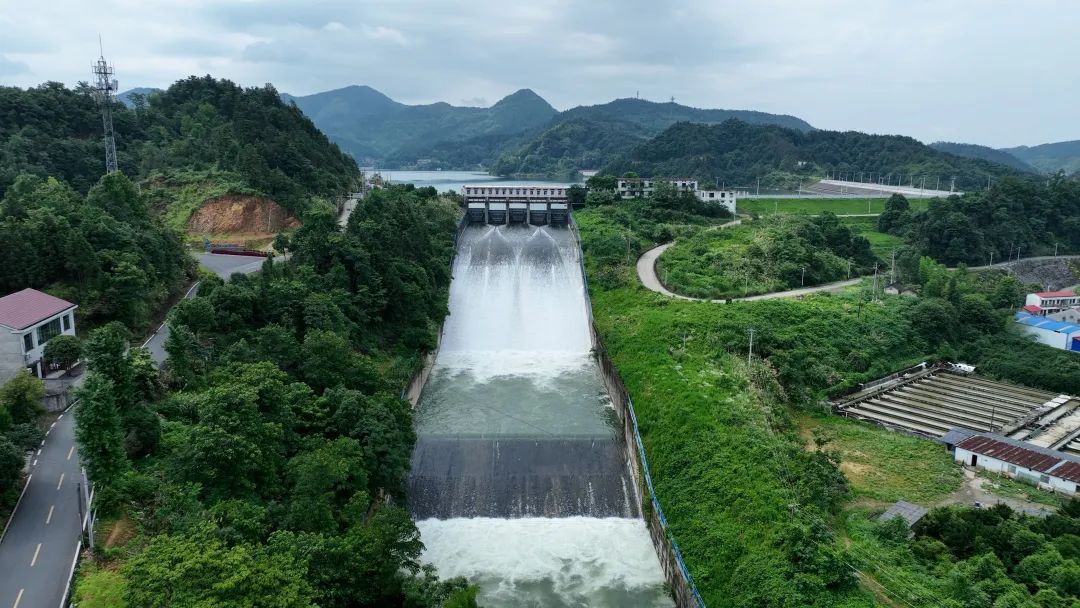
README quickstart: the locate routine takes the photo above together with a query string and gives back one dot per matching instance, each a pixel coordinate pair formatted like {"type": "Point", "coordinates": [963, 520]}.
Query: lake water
{"type": "Point", "coordinates": [454, 180]}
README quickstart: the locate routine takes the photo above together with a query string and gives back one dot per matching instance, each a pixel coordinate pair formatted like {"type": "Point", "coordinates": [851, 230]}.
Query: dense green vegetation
{"type": "Point", "coordinates": [104, 251]}
{"type": "Point", "coordinates": [1050, 158]}
{"type": "Point", "coordinates": [962, 557]}
{"type": "Point", "coordinates": [520, 134]}
{"type": "Point", "coordinates": [1001, 157]}
{"type": "Point", "coordinates": [775, 253]}
{"type": "Point", "coordinates": [199, 124]}
{"type": "Point", "coordinates": [740, 153]}
{"type": "Point", "coordinates": [269, 470]}
{"type": "Point", "coordinates": [20, 408]}
{"type": "Point", "coordinates": [589, 137]}
{"type": "Point", "coordinates": [569, 146]}
{"type": "Point", "coordinates": [817, 206]}
{"type": "Point", "coordinates": [1014, 215]}
{"type": "Point", "coordinates": [375, 129]}
{"type": "Point", "coordinates": [722, 436]}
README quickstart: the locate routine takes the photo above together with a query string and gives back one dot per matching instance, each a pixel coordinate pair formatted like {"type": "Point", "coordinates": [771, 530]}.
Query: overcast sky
{"type": "Point", "coordinates": [994, 72]}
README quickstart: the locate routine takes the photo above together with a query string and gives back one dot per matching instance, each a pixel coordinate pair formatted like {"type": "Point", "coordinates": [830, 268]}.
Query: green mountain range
{"type": "Point", "coordinates": [740, 153]}
{"type": "Point", "coordinates": [984, 152]}
{"type": "Point", "coordinates": [1051, 158]}
{"type": "Point", "coordinates": [521, 134]}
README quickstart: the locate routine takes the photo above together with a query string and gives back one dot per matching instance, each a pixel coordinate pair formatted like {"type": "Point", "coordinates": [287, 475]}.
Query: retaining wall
{"type": "Point", "coordinates": [683, 590]}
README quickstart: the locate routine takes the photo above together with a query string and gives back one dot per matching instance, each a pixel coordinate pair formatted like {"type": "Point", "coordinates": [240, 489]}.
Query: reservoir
{"type": "Point", "coordinates": [454, 180]}
{"type": "Point", "coordinates": [519, 481]}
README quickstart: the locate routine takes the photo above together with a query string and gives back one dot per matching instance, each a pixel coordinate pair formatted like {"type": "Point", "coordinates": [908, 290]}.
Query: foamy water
{"type": "Point", "coordinates": [571, 561]}
{"type": "Point", "coordinates": [514, 420]}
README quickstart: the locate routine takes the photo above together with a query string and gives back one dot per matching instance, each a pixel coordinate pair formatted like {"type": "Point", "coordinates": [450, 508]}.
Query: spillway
{"type": "Point", "coordinates": [519, 481]}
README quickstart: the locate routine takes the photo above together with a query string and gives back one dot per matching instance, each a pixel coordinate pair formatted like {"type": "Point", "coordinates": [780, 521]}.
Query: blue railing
{"type": "Point", "coordinates": [640, 445]}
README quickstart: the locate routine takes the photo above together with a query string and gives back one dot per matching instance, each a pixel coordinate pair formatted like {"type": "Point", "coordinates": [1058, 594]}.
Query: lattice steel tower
{"type": "Point", "coordinates": [104, 87]}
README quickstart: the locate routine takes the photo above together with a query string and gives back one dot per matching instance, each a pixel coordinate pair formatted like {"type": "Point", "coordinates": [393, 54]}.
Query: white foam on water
{"type": "Point", "coordinates": [573, 561]}
{"type": "Point", "coordinates": [540, 366]}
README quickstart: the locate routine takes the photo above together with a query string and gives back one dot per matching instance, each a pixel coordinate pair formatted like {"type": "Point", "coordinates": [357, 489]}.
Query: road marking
{"type": "Point", "coordinates": [36, 551]}
{"type": "Point", "coordinates": [49, 518]}
{"type": "Point", "coordinates": [60, 417]}
{"type": "Point", "coordinates": [42, 443]}
{"type": "Point", "coordinates": [39, 452]}
{"type": "Point", "coordinates": [18, 598]}
{"type": "Point", "coordinates": [52, 425]}
{"type": "Point", "coordinates": [61, 481]}
{"type": "Point", "coordinates": [70, 452]}
{"type": "Point", "coordinates": [35, 463]}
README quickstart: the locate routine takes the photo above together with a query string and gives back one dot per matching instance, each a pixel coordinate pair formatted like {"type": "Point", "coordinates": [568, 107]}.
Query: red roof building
{"type": "Point", "coordinates": [28, 319]}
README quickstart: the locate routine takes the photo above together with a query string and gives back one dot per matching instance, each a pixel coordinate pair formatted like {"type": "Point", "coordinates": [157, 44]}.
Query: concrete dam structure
{"type": "Point", "coordinates": [519, 478]}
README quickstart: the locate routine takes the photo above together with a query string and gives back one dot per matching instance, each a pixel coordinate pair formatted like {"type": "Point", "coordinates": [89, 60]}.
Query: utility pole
{"type": "Point", "coordinates": [1055, 249]}
{"type": "Point", "coordinates": [991, 258]}
{"type": "Point", "coordinates": [802, 281]}
{"type": "Point", "coordinates": [873, 295]}
{"type": "Point", "coordinates": [987, 182]}
{"type": "Point", "coordinates": [759, 186]}
{"type": "Point", "coordinates": [1018, 248]}
{"type": "Point", "coordinates": [750, 353]}
{"type": "Point", "coordinates": [892, 268]}
{"type": "Point", "coordinates": [849, 268]}
{"type": "Point", "coordinates": [952, 185]}
{"type": "Point", "coordinates": [104, 86]}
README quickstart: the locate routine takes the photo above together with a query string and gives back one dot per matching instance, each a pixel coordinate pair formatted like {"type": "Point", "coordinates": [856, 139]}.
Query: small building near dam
{"type": "Point", "coordinates": [1058, 334]}
{"type": "Point", "coordinates": [510, 204]}
{"type": "Point", "coordinates": [1041, 467]}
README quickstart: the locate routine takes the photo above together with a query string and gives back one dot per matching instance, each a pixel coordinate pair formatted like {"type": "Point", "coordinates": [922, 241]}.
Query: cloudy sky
{"type": "Point", "coordinates": [994, 72]}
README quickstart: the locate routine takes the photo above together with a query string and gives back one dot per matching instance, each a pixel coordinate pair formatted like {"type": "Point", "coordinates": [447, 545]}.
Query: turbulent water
{"type": "Point", "coordinates": [518, 479]}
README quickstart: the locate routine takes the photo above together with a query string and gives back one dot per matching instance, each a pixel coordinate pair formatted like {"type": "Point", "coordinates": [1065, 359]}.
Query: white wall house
{"type": "Point", "coordinates": [726, 198]}
{"type": "Point", "coordinates": [28, 319]}
{"type": "Point", "coordinates": [1058, 334]}
{"type": "Point", "coordinates": [636, 187]}
{"type": "Point", "coordinates": [1046, 302]}
{"type": "Point", "coordinates": [1045, 468]}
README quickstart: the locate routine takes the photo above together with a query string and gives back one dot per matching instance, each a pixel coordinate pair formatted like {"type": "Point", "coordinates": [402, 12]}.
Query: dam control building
{"type": "Point", "coordinates": [510, 204]}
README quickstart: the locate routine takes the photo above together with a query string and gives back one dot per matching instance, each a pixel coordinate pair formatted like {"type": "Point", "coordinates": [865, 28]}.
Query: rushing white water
{"type": "Point", "coordinates": [573, 561]}
{"type": "Point", "coordinates": [514, 423]}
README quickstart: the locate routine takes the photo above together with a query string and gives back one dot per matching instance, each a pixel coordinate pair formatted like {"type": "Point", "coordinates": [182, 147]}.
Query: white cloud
{"type": "Point", "coordinates": [985, 71]}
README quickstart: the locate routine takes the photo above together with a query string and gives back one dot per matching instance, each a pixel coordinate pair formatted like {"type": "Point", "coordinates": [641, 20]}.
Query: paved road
{"type": "Point", "coordinates": [38, 551]}
{"type": "Point", "coordinates": [220, 264]}
{"type": "Point", "coordinates": [646, 271]}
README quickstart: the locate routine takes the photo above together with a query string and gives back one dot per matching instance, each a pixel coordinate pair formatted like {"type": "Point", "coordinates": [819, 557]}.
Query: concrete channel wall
{"type": "Point", "coordinates": [683, 590]}
{"type": "Point", "coordinates": [415, 386]}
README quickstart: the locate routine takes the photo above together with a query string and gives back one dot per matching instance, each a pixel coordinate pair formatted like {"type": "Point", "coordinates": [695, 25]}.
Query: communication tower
{"type": "Point", "coordinates": [104, 87]}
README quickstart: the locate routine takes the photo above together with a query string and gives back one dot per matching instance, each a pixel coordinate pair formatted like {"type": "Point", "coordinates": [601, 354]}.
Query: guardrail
{"type": "Point", "coordinates": [675, 569]}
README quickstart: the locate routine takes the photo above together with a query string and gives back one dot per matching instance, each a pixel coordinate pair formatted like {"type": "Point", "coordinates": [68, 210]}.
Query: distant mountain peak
{"type": "Point", "coordinates": [525, 98]}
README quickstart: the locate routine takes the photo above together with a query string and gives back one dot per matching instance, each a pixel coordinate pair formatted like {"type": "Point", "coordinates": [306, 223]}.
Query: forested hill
{"type": "Point", "coordinates": [740, 153]}
{"type": "Point", "coordinates": [522, 132]}
{"type": "Point", "coordinates": [376, 129]}
{"type": "Point", "coordinates": [993, 155]}
{"type": "Point", "coordinates": [1051, 158]}
{"type": "Point", "coordinates": [588, 137]}
{"type": "Point", "coordinates": [199, 123]}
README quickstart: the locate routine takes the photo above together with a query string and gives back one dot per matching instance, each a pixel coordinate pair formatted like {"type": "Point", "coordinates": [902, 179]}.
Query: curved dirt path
{"type": "Point", "coordinates": [646, 272]}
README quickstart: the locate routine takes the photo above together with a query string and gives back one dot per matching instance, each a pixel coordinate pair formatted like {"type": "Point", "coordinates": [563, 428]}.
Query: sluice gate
{"type": "Point", "coordinates": [532, 205]}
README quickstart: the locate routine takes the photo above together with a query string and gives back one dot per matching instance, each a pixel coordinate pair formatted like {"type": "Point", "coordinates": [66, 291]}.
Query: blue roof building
{"type": "Point", "coordinates": [1058, 334]}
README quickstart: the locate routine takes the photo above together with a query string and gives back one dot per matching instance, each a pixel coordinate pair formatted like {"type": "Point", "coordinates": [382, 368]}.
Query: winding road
{"type": "Point", "coordinates": [646, 272]}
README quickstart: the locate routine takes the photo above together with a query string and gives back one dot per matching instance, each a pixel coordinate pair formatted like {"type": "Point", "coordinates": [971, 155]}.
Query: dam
{"type": "Point", "coordinates": [519, 479]}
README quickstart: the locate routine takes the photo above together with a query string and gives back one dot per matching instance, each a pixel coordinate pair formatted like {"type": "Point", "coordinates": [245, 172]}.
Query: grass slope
{"type": "Point", "coordinates": [815, 206]}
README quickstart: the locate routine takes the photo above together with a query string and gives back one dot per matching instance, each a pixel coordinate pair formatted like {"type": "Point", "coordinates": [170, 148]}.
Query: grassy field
{"type": "Point", "coordinates": [813, 206]}
{"type": "Point", "coordinates": [883, 465]}
{"type": "Point", "coordinates": [881, 243]}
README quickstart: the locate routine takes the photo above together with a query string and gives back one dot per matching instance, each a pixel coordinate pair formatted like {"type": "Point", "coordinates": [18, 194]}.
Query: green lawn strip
{"type": "Point", "coordinates": [813, 206]}
{"type": "Point", "coordinates": [881, 243]}
{"type": "Point", "coordinates": [885, 465]}
{"type": "Point", "coordinates": [1011, 488]}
